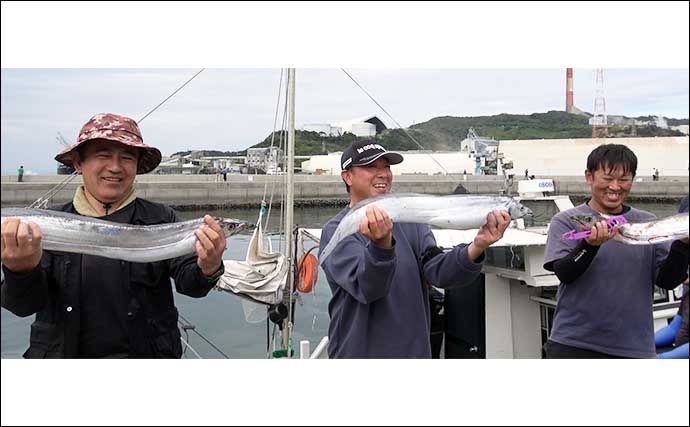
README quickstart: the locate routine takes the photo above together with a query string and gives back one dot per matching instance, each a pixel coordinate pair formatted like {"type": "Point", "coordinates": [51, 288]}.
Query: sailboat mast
{"type": "Point", "coordinates": [289, 204]}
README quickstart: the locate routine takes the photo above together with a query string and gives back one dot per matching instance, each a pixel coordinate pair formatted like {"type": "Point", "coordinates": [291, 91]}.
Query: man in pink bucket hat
{"type": "Point", "coordinates": [94, 307]}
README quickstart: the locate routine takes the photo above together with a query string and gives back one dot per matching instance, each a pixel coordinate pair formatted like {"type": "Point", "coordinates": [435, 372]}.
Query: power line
{"type": "Point", "coordinates": [171, 95]}
{"type": "Point", "coordinates": [394, 121]}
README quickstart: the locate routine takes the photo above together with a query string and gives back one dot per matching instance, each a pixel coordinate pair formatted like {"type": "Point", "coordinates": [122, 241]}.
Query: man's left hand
{"type": "Point", "coordinates": [210, 246]}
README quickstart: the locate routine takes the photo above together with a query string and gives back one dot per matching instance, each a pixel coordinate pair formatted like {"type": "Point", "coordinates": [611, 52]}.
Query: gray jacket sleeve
{"type": "Point", "coordinates": [360, 267]}
{"type": "Point", "coordinates": [448, 269]}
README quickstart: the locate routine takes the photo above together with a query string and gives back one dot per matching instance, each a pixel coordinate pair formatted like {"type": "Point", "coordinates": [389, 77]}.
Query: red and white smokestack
{"type": "Point", "coordinates": [569, 90]}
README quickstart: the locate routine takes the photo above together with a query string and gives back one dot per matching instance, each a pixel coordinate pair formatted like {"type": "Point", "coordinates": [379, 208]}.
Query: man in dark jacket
{"type": "Point", "coordinates": [94, 307]}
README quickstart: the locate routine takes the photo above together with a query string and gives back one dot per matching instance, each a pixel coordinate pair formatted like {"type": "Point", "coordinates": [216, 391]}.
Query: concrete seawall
{"type": "Point", "coordinates": [242, 190]}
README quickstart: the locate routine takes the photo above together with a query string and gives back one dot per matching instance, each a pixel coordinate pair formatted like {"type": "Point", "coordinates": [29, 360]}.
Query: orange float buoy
{"type": "Point", "coordinates": [308, 273]}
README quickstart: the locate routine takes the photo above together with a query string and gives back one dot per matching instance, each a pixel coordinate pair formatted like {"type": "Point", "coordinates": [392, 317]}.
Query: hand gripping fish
{"type": "Point", "coordinates": [460, 212]}
{"type": "Point", "coordinates": [638, 233]}
{"type": "Point", "coordinates": [68, 232]}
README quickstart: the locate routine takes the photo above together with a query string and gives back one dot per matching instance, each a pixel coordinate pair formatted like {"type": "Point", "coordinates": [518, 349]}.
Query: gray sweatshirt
{"type": "Point", "coordinates": [380, 302]}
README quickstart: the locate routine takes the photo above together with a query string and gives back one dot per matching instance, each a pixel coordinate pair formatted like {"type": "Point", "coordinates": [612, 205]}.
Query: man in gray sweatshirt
{"type": "Point", "coordinates": [380, 276]}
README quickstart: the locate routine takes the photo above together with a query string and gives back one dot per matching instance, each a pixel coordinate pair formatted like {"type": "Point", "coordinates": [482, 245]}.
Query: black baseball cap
{"type": "Point", "coordinates": [366, 151]}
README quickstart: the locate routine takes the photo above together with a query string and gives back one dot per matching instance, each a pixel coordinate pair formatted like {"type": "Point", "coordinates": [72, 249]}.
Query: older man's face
{"type": "Point", "coordinates": [109, 169]}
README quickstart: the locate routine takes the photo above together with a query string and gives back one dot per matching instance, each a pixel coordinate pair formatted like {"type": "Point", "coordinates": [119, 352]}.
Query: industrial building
{"type": "Point", "coordinates": [367, 126]}
{"type": "Point", "coordinates": [266, 159]}
{"type": "Point", "coordinates": [416, 162]}
{"type": "Point", "coordinates": [554, 157]}
{"type": "Point", "coordinates": [542, 157]}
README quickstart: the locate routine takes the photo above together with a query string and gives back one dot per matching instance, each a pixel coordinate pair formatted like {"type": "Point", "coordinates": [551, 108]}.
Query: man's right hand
{"type": "Point", "coordinates": [377, 227]}
{"type": "Point", "coordinates": [601, 234]}
{"type": "Point", "coordinates": [21, 245]}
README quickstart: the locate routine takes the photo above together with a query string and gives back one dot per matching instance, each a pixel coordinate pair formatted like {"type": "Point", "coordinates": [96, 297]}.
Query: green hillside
{"type": "Point", "coordinates": [446, 133]}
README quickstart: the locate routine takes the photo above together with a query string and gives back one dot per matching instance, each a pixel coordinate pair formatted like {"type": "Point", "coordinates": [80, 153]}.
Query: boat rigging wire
{"type": "Point", "coordinates": [204, 338]}
{"type": "Point", "coordinates": [190, 347]}
{"type": "Point", "coordinates": [394, 121]}
{"type": "Point", "coordinates": [171, 95]}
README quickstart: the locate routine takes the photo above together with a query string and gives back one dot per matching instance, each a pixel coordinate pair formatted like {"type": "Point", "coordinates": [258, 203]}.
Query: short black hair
{"type": "Point", "coordinates": [610, 157]}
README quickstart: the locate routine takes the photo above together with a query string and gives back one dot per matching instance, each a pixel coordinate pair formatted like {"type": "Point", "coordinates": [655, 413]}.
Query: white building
{"type": "Point", "coordinates": [367, 126]}
{"type": "Point", "coordinates": [416, 162]}
{"type": "Point", "coordinates": [682, 128]}
{"type": "Point", "coordinates": [324, 129]}
{"type": "Point", "coordinates": [542, 157]}
{"type": "Point", "coordinates": [554, 157]}
{"type": "Point", "coordinates": [264, 158]}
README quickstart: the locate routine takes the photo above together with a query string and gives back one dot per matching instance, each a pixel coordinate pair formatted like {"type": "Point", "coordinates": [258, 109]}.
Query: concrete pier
{"type": "Point", "coordinates": [185, 191]}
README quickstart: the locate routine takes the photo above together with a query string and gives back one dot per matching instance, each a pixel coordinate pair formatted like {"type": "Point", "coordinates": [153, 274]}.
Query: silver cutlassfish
{"type": "Point", "coordinates": [460, 212]}
{"type": "Point", "coordinates": [642, 233]}
{"type": "Point", "coordinates": [68, 232]}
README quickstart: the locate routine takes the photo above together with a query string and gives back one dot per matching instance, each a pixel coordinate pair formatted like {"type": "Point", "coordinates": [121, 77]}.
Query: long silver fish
{"type": "Point", "coordinates": [460, 212]}
{"type": "Point", "coordinates": [68, 232]}
{"type": "Point", "coordinates": [642, 233]}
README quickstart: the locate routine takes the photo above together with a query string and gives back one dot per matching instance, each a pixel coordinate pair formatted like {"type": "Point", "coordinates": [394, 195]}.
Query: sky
{"type": "Point", "coordinates": [55, 76]}
{"type": "Point", "coordinates": [230, 109]}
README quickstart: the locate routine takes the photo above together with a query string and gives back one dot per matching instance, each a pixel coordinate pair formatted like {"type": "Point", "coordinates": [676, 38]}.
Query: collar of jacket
{"type": "Point", "coordinates": [82, 205]}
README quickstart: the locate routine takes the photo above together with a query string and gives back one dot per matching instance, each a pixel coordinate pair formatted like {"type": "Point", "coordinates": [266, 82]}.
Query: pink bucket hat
{"type": "Point", "coordinates": [113, 127]}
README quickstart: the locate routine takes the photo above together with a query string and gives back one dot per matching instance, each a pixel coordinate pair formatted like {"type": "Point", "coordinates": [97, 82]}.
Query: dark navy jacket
{"type": "Point", "coordinates": [143, 323]}
{"type": "Point", "coordinates": [380, 302]}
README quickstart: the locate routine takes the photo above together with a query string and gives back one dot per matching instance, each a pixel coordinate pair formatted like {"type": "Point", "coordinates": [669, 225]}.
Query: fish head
{"type": "Point", "coordinates": [232, 226]}
{"type": "Point", "coordinates": [586, 221]}
{"type": "Point", "coordinates": [518, 210]}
